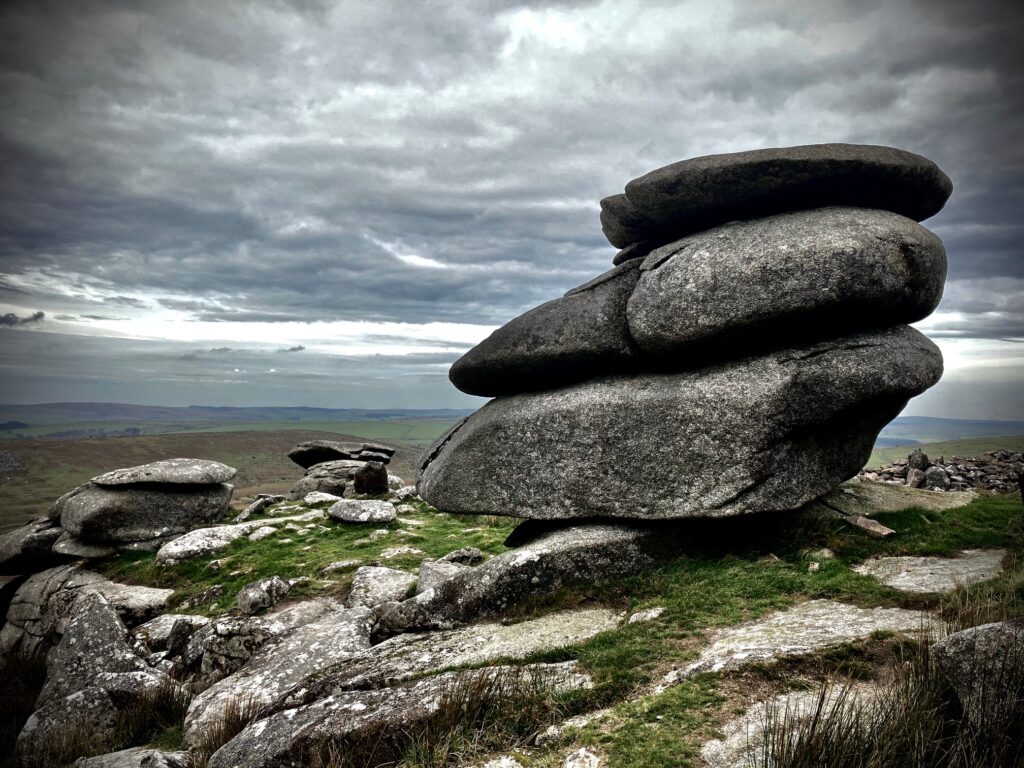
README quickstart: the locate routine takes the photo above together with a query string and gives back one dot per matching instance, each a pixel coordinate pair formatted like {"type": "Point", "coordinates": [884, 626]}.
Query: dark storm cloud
{"type": "Point", "coordinates": [309, 161]}
{"type": "Point", "coordinates": [296, 348]}
{"type": "Point", "coordinates": [10, 320]}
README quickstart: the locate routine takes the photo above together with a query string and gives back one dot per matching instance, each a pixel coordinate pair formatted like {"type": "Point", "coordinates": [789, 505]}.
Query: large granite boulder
{"type": "Point", "coordinates": [830, 270]}
{"type": "Point", "coordinates": [763, 433]}
{"type": "Point", "coordinates": [704, 192]}
{"type": "Point", "coordinates": [170, 471]}
{"type": "Point", "coordinates": [127, 513]}
{"type": "Point", "coordinates": [568, 339]}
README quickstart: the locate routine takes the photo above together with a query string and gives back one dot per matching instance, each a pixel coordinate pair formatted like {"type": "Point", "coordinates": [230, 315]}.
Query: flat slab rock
{"type": "Point", "coordinates": [292, 736]}
{"type": "Point", "coordinates": [805, 628]}
{"type": "Point", "coordinates": [176, 471]}
{"type": "Point", "coordinates": [362, 511]}
{"type": "Point", "coordinates": [764, 433]}
{"type": "Point", "coordinates": [863, 497]}
{"type": "Point", "coordinates": [702, 192]}
{"type": "Point", "coordinates": [935, 574]}
{"type": "Point", "coordinates": [203, 541]}
{"type": "Point", "coordinates": [373, 585]}
{"type": "Point", "coordinates": [744, 736]}
{"type": "Point", "coordinates": [136, 757]}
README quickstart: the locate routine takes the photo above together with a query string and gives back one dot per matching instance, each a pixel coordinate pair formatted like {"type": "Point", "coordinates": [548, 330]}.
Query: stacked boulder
{"type": "Point", "coordinates": [341, 469]}
{"type": "Point", "coordinates": [741, 356]}
{"type": "Point", "coordinates": [136, 508]}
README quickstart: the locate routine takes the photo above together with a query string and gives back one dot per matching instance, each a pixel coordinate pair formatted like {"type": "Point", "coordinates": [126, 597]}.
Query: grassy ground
{"type": "Point", "coordinates": [721, 578]}
{"type": "Point", "coordinates": [974, 446]}
{"type": "Point", "coordinates": [53, 467]}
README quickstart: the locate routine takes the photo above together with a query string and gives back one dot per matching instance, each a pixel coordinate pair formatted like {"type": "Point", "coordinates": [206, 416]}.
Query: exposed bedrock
{"type": "Point", "coordinates": [763, 433]}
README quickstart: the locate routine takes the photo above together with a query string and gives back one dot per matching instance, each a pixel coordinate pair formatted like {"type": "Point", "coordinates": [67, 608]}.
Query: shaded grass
{"type": "Point", "coordinates": [21, 679]}
{"type": "Point", "coordinates": [306, 555]}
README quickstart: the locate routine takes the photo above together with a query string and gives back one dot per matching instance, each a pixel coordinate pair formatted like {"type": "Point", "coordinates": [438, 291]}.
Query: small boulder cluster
{"type": "Point", "coordinates": [344, 470]}
{"type": "Point", "coordinates": [741, 356]}
{"type": "Point", "coordinates": [997, 471]}
{"type": "Point", "coordinates": [136, 508]}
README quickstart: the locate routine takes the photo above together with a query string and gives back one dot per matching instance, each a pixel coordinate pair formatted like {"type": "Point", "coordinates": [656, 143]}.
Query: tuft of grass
{"type": "Point", "coordinates": [236, 715]}
{"type": "Point", "coordinates": [151, 715]}
{"type": "Point", "coordinates": [476, 715]}
{"type": "Point", "coordinates": [21, 679]}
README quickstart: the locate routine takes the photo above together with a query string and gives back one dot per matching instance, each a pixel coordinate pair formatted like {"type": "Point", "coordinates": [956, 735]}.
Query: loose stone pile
{"type": "Point", "coordinates": [993, 471]}
{"type": "Point", "coordinates": [745, 363]}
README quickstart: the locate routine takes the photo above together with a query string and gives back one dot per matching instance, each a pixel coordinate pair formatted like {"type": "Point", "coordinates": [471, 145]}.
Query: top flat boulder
{"type": "Point", "coordinates": [314, 452]}
{"type": "Point", "coordinates": [704, 192]}
{"type": "Point", "coordinates": [175, 471]}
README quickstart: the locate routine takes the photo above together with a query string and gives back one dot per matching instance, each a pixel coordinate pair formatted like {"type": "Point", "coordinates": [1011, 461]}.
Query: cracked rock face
{"type": "Point", "coordinates": [373, 585]}
{"type": "Point", "coordinates": [764, 433]}
{"type": "Point", "coordinates": [287, 736]}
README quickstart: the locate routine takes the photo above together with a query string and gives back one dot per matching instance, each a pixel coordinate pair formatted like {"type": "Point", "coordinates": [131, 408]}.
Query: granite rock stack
{"type": "Point", "coordinates": [741, 356]}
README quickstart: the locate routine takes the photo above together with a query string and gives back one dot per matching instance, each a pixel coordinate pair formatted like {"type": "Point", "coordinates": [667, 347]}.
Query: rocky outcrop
{"type": "Point", "coordinates": [262, 594]}
{"type": "Point", "coordinates": [327, 477]}
{"type": "Point", "coordinates": [568, 555]}
{"type": "Point", "coordinates": [41, 607]}
{"type": "Point", "coordinates": [306, 731]}
{"type": "Point", "coordinates": [992, 471]}
{"type": "Point", "coordinates": [204, 541]}
{"type": "Point", "coordinates": [136, 757]}
{"type": "Point", "coordinates": [318, 451]}
{"type": "Point", "coordinates": [362, 511]}
{"type": "Point", "coordinates": [764, 433]}
{"type": "Point", "coordinates": [30, 548]}
{"type": "Point", "coordinates": [746, 365]}
{"type": "Point", "coordinates": [169, 472]}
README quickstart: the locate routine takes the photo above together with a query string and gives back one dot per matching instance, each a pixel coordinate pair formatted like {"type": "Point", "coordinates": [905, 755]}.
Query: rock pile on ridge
{"type": "Point", "coordinates": [341, 469]}
{"type": "Point", "coordinates": [135, 508]}
{"type": "Point", "coordinates": [746, 363]}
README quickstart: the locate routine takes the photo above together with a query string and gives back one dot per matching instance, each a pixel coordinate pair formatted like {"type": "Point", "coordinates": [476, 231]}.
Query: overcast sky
{"type": "Point", "coordinates": [307, 203]}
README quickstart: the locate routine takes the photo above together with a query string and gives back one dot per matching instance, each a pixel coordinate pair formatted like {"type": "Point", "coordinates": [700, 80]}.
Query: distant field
{"type": "Point", "coordinates": [970, 447]}
{"type": "Point", "coordinates": [53, 467]}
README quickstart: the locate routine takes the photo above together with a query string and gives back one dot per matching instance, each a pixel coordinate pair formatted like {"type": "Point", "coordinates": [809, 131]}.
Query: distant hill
{"type": "Point", "coordinates": [928, 429]}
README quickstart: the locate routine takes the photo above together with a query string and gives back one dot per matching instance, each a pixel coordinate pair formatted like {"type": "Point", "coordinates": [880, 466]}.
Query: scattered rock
{"type": "Point", "coordinates": [155, 633]}
{"type": "Point", "coordinates": [319, 497]}
{"type": "Point", "coordinates": [362, 511]}
{"type": "Point", "coordinates": [339, 565]}
{"type": "Point", "coordinates": [647, 615]}
{"type": "Point", "coordinates": [992, 471]}
{"type": "Point", "coordinates": [205, 541]}
{"type": "Point", "coordinates": [258, 507]}
{"type": "Point", "coordinates": [464, 556]}
{"type": "Point", "coordinates": [373, 585]}
{"type": "Point", "coordinates": [583, 758]}
{"type": "Point", "coordinates": [208, 595]}
{"type": "Point", "coordinates": [262, 594]}
{"type": "Point", "coordinates": [393, 552]}
{"type": "Point", "coordinates": [261, 533]}
{"type": "Point", "coordinates": [934, 574]}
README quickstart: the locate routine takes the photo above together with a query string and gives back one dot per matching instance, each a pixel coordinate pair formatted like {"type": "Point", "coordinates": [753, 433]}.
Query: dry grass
{"type": "Point", "coordinates": [236, 716]}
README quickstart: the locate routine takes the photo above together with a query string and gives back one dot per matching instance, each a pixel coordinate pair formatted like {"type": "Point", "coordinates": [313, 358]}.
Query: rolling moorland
{"type": "Point", "coordinates": [45, 450]}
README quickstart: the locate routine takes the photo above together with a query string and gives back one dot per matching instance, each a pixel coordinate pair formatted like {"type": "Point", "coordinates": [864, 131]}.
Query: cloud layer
{"type": "Point", "coordinates": [409, 178]}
